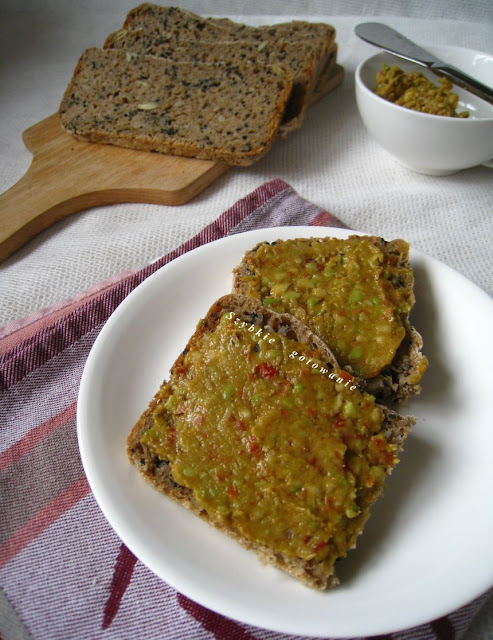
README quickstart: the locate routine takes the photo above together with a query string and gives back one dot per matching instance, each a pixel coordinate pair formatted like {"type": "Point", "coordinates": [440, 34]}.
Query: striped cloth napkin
{"type": "Point", "coordinates": [64, 573]}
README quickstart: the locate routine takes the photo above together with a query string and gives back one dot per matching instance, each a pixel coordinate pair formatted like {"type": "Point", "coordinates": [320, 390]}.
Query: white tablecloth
{"type": "Point", "coordinates": [331, 161]}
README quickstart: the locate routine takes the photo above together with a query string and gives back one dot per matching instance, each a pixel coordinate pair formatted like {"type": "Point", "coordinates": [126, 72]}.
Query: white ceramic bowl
{"type": "Point", "coordinates": [434, 145]}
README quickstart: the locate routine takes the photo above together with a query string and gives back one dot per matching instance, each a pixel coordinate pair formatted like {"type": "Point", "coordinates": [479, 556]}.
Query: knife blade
{"type": "Point", "coordinates": [390, 40]}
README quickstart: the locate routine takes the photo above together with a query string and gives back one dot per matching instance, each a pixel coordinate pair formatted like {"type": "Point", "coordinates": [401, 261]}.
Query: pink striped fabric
{"type": "Point", "coordinates": [64, 573]}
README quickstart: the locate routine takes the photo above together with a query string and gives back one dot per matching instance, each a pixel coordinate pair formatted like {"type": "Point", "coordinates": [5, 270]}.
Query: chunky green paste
{"type": "Point", "coordinates": [344, 290]}
{"type": "Point", "coordinates": [270, 443]}
{"type": "Point", "coordinates": [415, 91]}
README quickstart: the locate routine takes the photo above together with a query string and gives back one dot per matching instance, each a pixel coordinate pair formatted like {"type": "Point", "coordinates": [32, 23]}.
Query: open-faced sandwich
{"type": "Point", "coordinates": [355, 293]}
{"type": "Point", "coordinates": [259, 432]}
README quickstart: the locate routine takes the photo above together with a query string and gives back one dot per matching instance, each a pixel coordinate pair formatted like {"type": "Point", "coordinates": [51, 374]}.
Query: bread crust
{"type": "Point", "coordinates": [397, 382]}
{"type": "Point", "coordinates": [157, 472]}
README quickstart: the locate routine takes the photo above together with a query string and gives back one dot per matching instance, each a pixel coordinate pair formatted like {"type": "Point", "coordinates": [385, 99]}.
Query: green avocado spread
{"type": "Point", "coordinates": [347, 291]}
{"type": "Point", "coordinates": [272, 442]}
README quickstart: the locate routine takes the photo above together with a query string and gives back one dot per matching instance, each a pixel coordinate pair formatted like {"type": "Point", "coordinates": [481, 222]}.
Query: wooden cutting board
{"type": "Point", "coordinates": [67, 175]}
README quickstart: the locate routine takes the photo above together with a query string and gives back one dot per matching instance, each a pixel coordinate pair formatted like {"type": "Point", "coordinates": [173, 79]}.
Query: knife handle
{"type": "Point", "coordinates": [463, 80]}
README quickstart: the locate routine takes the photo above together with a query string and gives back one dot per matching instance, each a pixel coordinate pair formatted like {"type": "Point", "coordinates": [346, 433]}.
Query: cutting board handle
{"type": "Point", "coordinates": [67, 175]}
{"type": "Point", "coordinates": [29, 207]}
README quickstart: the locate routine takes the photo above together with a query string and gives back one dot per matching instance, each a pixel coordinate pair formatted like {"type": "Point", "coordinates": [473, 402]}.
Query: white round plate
{"type": "Point", "coordinates": [426, 549]}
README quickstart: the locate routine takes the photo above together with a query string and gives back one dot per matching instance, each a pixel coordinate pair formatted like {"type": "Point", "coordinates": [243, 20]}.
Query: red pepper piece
{"type": "Point", "coordinates": [266, 370]}
{"type": "Point", "coordinates": [254, 447]}
{"type": "Point", "coordinates": [180, 370]}
{"type": "Point", "coordinates": [347, 377]}
{"type": "Point", "coordinates": [232, 490]}
{"type": "Point", "coordinates": [339, 422]}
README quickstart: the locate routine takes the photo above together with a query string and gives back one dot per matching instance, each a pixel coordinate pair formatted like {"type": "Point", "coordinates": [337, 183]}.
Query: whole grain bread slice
{"type": "Point", "coordinates": [299, 60]}
{"type": "Point", "coordinates": [174, 25]}
{"type": "Point", "coordinates": [214, 112]}
{"type": "Point", "coordinates": [172, 20]}
{"type": "Point", "coordinates": [329, 77]}
{"type": "Point", "coordinates": [322, 38]}
{"type": "Point", "coordinates": [399, 380]}
{"type": "Point", "coordinates": [332, 78]}
{"type": "Point", "coordinates": [157, 469]}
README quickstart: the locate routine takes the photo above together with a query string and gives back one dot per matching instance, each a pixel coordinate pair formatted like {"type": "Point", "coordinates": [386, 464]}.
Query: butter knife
{"type": "Point", "coordinates": [392, 41]}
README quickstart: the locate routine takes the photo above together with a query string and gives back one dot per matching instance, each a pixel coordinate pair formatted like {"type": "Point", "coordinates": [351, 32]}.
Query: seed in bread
{"type": "Point", "coordinates": [214, 112]}
{"type": "Point", "coordinates": [355, 293]}
{"type": "Point", "coordinates": [259, 432]}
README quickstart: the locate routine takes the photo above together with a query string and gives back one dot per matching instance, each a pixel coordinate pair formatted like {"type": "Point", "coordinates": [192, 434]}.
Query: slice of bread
{"type": "Point", "coordinates": [172, 20]}
{"type": "Point", "coordinates": [291, 469]}
{"type": "Point", "coordinates": [299, 60]}
{"type": "Point", "coordinates": [325, 81]}
{"type": "Point", "coordinates": [150, 16]}
{"type": "Point", "coordinates": [322, 38]}
{"type": "Point", "coordinates": [214, 112]}
{"type": "Point", "coordinates": [356, 294]}
{"type": "Point", "coordinates": [161, 25]}
{"type": "Point", "coordinates": [333, 77]}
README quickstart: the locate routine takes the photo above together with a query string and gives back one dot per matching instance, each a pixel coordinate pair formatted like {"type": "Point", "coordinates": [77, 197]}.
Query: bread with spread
{"type": "Point", "coordinates": [260, 433]}
{"type": "Point", "coordinates": [355, 293]}
{"type": "Point", "coordinates": [210, 111]}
